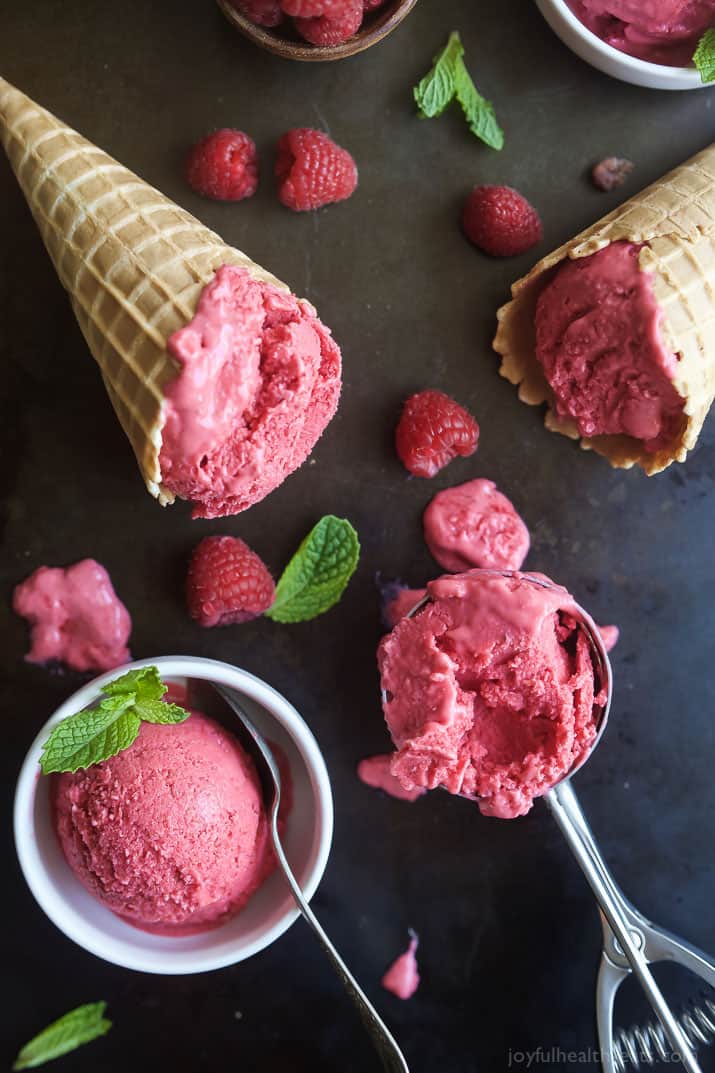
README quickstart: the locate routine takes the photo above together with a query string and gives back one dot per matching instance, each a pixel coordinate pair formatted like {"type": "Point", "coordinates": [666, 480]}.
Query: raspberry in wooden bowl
{"type": "Point", "coordinates": [315, 30]}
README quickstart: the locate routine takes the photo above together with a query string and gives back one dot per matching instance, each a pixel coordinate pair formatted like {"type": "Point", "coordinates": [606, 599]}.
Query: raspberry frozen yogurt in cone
{"type": "Point", "coordinates": [489, 690]}
{"type": "Point", "coordinates": [615, 330]}
{"type": "Point", "coordinates": [223, 380]}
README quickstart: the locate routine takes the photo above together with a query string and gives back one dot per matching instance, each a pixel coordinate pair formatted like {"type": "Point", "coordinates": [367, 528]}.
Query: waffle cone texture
{"type": "Point", "coordinates": [675, 220]}
{"type": "Point", "coordinates": [133, 263]}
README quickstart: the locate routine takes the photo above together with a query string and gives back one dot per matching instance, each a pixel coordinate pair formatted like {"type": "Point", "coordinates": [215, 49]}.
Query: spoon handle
{"type": "Point", "coordinates": [393, 1060]}
{"type": "Point", "coordinates": [568, 814]}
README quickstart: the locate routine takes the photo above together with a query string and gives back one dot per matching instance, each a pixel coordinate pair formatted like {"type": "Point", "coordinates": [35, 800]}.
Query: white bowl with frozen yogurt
{"type": "Point", "coordinates": [612, 61]}
{"type": "Point", "coordinates": [271, 910]}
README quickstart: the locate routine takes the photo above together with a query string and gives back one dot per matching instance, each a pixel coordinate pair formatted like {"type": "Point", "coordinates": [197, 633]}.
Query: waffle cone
{"type": "Point", "coordinates": [132, 261]}
{"type": "Point", "coordinates": [675, 218]}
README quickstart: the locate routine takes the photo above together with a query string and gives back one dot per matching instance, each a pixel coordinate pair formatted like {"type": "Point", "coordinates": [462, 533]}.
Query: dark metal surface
{"type": "Point", "coordinates": [510, 938]}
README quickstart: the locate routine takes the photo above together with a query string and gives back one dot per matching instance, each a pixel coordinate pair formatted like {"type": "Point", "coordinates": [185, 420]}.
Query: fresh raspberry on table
{"type": "Point", "coordinates": [262, 12]}
{"type": "Point", "coordinates": [500, 221]}
{"type": "Point", "coordinates": [432, 430]}
{"type": "Point", "coordinates": [312, 170]}
{"type": "Point", "coordinates": [227, 582]}
{"type": "Point", "coordinates": [332, 29]}
{"type": "Point", "coordinates": [223, 166]}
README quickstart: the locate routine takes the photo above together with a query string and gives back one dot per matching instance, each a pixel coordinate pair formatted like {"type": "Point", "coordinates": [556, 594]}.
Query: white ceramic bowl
{"type": "Point", "coordinates": [610, 60]}
{"type": "Point", "coordinates": [270, 912]}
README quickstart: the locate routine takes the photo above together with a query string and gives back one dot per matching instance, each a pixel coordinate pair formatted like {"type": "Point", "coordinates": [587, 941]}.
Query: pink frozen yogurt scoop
{"type": "Point", "coordinates": [489, 689]}
{"type": "Point", "coordinates": [170, 834]}
{"type": "Point", "coordinates": [598, 339]}
{"type": "Point", "coordinates": [259, 381]}
{"type": "Point", "coordinates": [75, 617]}
{"type": "Point", "coordinates": [659, 31]}
{"type": "Point", "coordinates": [473, 524]}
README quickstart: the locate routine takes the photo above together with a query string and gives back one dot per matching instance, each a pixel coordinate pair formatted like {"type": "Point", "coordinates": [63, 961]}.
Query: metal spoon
{"type": "Point", "coordinates": [630, 942]}
{"type": "Point", "coordinates": [391, 1056]}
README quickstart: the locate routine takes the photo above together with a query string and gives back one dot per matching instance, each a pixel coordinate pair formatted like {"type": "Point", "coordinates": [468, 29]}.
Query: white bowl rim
{"type": "Point", "coordinates": [174, 961]}
{"type": "Point", "coordinates": [683, 77]}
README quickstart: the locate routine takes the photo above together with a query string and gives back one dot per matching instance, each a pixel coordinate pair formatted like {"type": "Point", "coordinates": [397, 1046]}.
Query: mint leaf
{"type": "Point", "coordinates": [66, 1034]}
{"type": "Point", "coordinates": [478, 111]}
{"type": "Point", "coordinates": [104, 730]}
{"type": "Point", "coordinates": [316, 576]}
{"type": "Point", "coordinates": [450, 80]}
{"type": "Point", "coordinates": [155, 711]}
{"type": "Point", "coordinates": [144, 683]}
{"type": "Point", "coordinates": [91, 735]}
{"type": "Point", "coordinates": [704, 58]}
{"type": "Point", "coordinates": [434, 92]}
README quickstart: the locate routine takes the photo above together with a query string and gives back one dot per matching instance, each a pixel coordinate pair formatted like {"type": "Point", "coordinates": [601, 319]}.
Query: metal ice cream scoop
{"type": "Point", "coordinates": [393, 1061]}
{"type": "Point", "coordinates": [630, 942]}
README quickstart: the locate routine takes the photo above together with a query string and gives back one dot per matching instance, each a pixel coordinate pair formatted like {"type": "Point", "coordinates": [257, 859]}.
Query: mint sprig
{"type": "Point", "coordinates": [704, 58]}
{"type": "Point", "coordinates": [478, 111]}
{"type": "Point", "coordinates": [316, 577]}
{"type": "Point", "coordinates": [91, 735]}
{"type": "Point", "coordinates": [79, 1026]}
{"type": "Point", "coordinates": [450, 80]}
{"type": "Point", "coordinates": [112, 725]}
{"type": "Point", "coordinates": [434, 92]}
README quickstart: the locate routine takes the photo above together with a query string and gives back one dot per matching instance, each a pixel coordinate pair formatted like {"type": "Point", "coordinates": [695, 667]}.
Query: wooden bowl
{"type": "Point", "coordinates": [291, 47]}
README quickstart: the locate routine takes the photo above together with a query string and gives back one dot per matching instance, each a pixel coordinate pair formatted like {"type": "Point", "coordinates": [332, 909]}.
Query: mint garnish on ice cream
{"type": "Point", "coordinates": [96, 733]}
{"type": "Point", "coordinates": [704, 58]}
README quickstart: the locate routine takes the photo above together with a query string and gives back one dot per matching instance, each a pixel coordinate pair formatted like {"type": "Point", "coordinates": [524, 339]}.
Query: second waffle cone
{"type": "Point", "coordinates": [675, 220]}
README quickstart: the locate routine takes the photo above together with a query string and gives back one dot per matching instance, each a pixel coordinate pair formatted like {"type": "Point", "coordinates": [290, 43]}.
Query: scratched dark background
{"type": "Point", "coordinates": [510, 936]}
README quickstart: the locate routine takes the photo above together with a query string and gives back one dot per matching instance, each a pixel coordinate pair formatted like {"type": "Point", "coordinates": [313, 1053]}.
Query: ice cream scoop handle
{"type": "Point", "coordinates": [568, 814]}
{"type": "Point", "coordinates": [384, 1042]}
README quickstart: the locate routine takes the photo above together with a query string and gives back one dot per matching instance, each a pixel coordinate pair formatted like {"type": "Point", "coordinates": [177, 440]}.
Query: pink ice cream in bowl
{"type": "Point", "coordinates": [158, 858]}
{"type": "Point", "coordinates": [646, 42]}
{"type": "Point", "coordinates": [497, 687]}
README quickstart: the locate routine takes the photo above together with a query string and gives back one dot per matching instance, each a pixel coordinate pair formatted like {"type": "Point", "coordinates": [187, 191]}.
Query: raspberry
{"type": "Point", "coordinates": [432, 430]}
{"type": "Point", "coordinates": [262, 12]}
{"type": "Point", "coordinates": [312, 170]}
{"type": "Point", "coordinates": [500, 221]}
{"type": "Point", "coordinates": [372, 5]}
{"type": "Point", "coordinates": [611, 172]}
{"type": "Point", "coordinates": [227, 582]}
{"type": "Point", "coordinates": [313, 9]}
{"type": "Point", "coordinates": [332, 29]}
{"type": "Point", "coordinates": [223, 166]}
